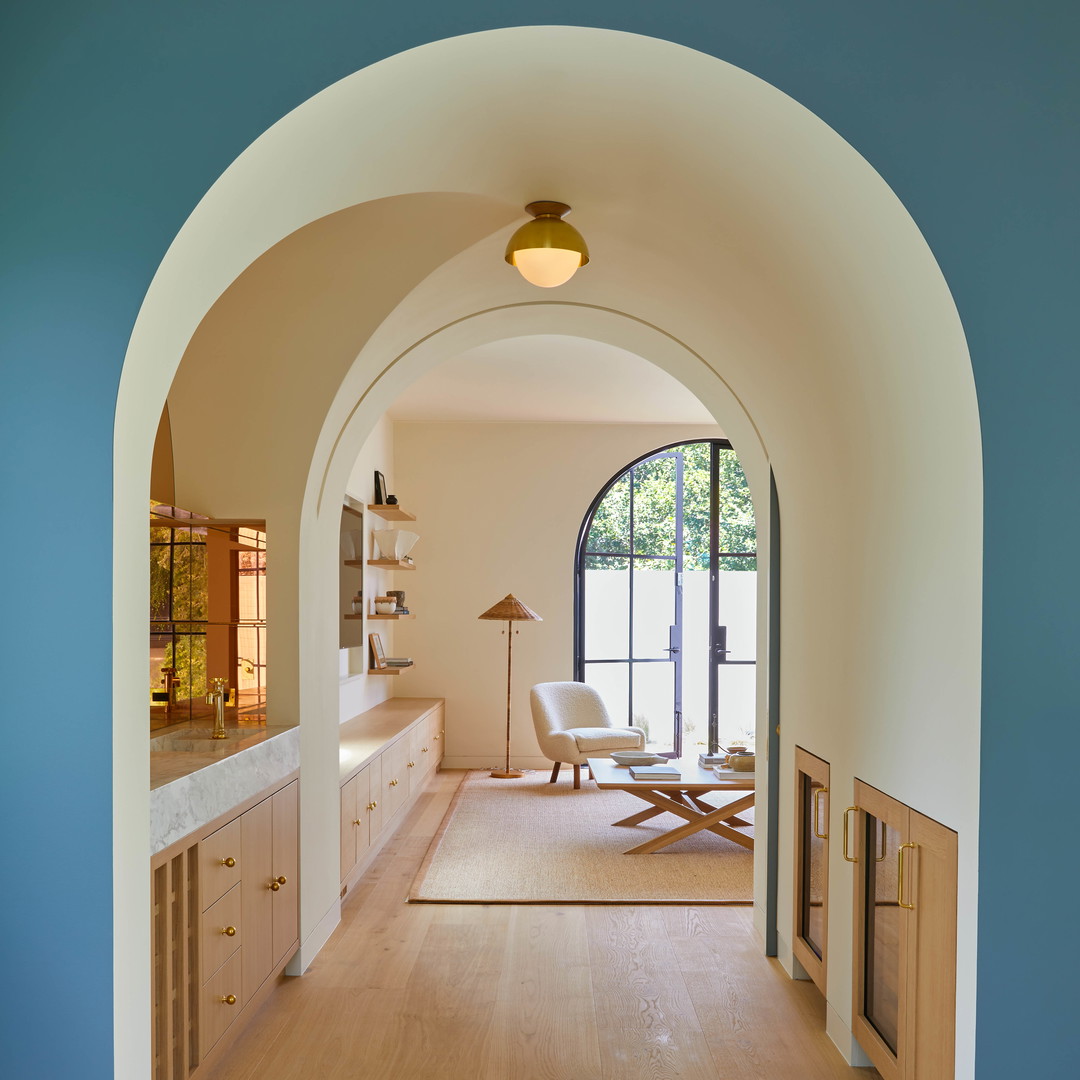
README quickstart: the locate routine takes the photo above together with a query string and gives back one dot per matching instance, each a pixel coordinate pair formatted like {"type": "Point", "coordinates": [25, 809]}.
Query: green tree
{"type": "Point", "coordinates": [651, 486]}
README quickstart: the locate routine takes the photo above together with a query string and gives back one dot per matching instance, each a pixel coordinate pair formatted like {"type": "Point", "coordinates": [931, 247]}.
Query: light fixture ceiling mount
{"type": "Point", "coordinates": [547, 251]}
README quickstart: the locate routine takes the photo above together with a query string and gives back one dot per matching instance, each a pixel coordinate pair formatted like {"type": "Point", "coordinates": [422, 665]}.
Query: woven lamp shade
{"type": "Point", "coordinates": [511, 609]}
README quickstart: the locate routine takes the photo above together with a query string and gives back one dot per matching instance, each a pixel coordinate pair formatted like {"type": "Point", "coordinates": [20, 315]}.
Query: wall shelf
{"type": "Point", "coordinates": [389, 670]}
{"type": "Point", "coordinates": [390, 513]}
{"type": "Point", "coordinates": [410, 616]}
{"type": "Point", "coordinates": [358, 616]}
{"type": "Point", "coordinates": [392, 564]}
{"type": "Point", "coordinates": [353, 562]}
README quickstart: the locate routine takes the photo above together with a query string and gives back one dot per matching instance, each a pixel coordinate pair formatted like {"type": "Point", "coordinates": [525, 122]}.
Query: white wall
{"type": "Point", "coordinates": [359, 691]}
{"type": "Point", "coordinates": [499, 507]}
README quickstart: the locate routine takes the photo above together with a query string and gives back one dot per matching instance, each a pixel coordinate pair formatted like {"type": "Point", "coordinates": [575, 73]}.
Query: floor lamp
{"type": "Point", "coordinates": [512, 610]}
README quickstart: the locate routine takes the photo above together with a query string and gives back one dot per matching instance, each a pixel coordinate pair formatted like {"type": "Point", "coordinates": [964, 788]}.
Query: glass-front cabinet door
{"type": "Point", "coordinates": [811, 864]}
{"type": "Point", "coordinates": [905, 936]}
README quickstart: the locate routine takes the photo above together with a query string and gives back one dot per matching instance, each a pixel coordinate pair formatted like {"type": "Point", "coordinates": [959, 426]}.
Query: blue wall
{"type": "Point", "coordinates": [117, 116]}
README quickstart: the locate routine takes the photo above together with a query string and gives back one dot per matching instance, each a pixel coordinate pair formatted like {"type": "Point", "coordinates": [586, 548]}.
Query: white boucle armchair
{"type": "Point", "coordinates": [572, 724]}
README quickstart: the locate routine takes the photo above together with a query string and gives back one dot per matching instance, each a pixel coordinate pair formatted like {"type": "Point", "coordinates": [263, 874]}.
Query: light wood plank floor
{"type": "Point", "coordinates": [532, 992]}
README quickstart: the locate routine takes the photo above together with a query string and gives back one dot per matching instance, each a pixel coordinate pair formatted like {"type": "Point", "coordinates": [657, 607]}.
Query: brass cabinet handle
{"type": "Point", "coordinates": [274, 886]}
{"type": "Point", "coordinates": [423, 750]}
{"type": "Point", "coordinates": [412, 764]}
{"type": "Point", "coordinates": [817, 812]}
{"type": "Point", "coordinates": [438, 737]}
{"type": "Point", "coordinates": [229, 931]}
{"type": "Point", "coordinates": [356, 821]}
{"type": "Point", "coordinates": [229, 999]}
{"type": "Point", "coordinates": [393, 783]}
{"type": "Point", "coordinates": [372, 805]}
{"type": "Point", "coordinates": [880, 857]}
{"type": "Point", "coordinates": [900, 876]}
{"type": "Point", "coordinates": [230, 861]}
{"type": "Point", "coordinates": [846, 812]}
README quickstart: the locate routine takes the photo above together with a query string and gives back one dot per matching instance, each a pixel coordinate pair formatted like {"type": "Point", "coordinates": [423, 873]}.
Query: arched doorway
{"type": "Point", "coordinates": [758, 312]}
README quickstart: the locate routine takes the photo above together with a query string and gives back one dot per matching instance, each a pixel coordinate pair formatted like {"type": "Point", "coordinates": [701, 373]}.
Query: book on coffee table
{"type": "Point", "coordinates": [655, 772]}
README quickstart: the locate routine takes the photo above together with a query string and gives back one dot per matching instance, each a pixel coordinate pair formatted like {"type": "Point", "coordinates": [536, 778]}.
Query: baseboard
{"type": "Point", "coordinates": [845, 1042]}
{"type": "Point", "coordinates": [312, 945]}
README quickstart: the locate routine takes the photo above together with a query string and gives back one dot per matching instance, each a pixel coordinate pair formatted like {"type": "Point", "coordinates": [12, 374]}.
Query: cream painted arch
{"type": "Point", "coordinates": [848, 329]}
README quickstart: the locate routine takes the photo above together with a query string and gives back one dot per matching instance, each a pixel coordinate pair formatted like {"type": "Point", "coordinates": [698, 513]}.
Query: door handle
{"type": "Point", "coordinates": [672, 649]}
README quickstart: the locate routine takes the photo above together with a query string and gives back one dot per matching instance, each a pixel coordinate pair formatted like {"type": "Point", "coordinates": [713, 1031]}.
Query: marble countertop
{"type": "Point", "coordinates": [195, 779]}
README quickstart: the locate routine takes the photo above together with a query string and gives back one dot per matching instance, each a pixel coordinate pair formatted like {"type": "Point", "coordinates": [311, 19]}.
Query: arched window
{"type": "Point", "coordinates": [666, 598]}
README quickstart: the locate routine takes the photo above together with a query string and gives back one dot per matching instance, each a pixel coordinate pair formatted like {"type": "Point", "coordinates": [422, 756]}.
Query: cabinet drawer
{"type": "Point", "coordinates": [216, 941]}
{"type": "Point", "coordinates": [216, 852]}
{"type": "Point", "coordinates": [215, 1010]}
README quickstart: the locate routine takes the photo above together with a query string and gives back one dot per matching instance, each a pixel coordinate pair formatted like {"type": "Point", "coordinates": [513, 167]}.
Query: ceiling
{"type": "Point", "coordinates": [549, 378]}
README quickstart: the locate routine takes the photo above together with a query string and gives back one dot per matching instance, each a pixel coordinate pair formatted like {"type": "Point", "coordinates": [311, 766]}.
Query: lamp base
{"type": "Point", "coordinates": [507, 774]}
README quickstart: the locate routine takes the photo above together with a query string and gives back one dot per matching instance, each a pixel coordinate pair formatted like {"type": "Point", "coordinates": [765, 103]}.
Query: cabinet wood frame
{"type": "Point", "coordinates": [926, 981]}
{"type": "Point", "coordinates": [816, 769]}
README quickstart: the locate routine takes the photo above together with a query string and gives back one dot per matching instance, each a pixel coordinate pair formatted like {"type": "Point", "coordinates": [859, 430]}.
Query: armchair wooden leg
{"type": "Point", "coordinates": [577, 777]}
{"type": "Point", "coordinates": [555, 773]}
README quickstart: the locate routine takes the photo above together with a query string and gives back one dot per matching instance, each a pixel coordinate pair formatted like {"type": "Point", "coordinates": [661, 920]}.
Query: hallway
{"type": "Point", "coordinates": [493, 992]}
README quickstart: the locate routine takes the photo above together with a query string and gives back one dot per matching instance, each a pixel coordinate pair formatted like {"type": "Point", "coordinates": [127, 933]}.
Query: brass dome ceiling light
{"type": "Point", "coordinates": [547, 251]}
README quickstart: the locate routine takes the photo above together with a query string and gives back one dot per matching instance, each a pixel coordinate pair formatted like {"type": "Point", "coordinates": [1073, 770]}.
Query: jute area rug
{"type": "Point", "coordinates": [529, 842]}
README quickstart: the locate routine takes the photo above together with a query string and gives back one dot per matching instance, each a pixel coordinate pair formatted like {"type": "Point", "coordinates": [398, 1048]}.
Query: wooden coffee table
{"type": "Point", "coordinates": [681, 797]}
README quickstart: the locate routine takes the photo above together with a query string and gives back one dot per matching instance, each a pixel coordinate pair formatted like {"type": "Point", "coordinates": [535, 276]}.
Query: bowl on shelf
{"type": "Point", "coordinates": [394, 544]}
{"type": "Point", "coordinates": [636, 757]}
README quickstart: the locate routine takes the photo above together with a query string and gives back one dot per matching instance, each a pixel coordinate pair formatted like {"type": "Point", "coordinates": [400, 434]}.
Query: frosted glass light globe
{"type": "Point", "coordinates": [547, 267]}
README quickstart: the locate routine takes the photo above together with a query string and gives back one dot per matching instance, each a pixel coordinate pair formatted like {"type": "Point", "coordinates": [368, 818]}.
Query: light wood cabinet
{"type": "Point", "coordinates": [362, 808]}
{"type": "Point", "coordinates": [904, 1003]}
{"type": "Point", "coordinates": [268, 886]}
{"type": "Point", "coordinates": [394, 750]}
{"type": "Point", "coordinates": [225, 920]}
{"type": "Point", "coordinates": [810, 936]}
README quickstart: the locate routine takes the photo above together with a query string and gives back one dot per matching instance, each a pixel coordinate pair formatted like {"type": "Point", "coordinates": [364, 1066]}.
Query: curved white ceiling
{"type": "Point", "coordinates": [550, 378]}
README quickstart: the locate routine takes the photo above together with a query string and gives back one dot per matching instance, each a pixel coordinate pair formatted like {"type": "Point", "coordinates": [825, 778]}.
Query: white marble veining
{"type": "Point", "coordinates": [182, 805]}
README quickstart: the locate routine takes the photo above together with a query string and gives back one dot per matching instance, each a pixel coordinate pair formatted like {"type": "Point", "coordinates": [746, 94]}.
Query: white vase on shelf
{"type": "Point", "coordinates": [394, 544]}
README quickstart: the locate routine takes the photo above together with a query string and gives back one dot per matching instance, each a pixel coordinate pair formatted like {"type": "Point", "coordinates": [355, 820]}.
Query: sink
{"type": "Point", "coordinates": [200, 739]}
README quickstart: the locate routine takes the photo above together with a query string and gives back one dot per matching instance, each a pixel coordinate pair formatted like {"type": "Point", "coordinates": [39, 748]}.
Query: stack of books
{"type": "Point", "coordinates": [655, 772]}
{"type": "Point", "coordinates": [399, 661]}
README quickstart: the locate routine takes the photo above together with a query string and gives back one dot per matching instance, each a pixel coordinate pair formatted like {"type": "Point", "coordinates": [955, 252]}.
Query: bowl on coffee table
{"type": "Point", "coordinates": [636, 757]}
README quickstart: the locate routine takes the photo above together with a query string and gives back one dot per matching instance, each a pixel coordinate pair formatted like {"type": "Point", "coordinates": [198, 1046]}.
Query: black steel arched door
{"type": "Point", "coordinates": [666, 598]}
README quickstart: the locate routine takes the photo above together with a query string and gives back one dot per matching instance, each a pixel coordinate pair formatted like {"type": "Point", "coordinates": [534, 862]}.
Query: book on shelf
{"type": "Point", "coordinates": [399, 661]}
{"type": "Point", "coordinates": [655, 772]}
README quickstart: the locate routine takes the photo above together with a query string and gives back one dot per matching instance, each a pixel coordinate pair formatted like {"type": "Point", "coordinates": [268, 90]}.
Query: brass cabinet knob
{"type": "Point", "coordinates": [438, 737]}
{"type": "Point", "coordinates": [229, 999]}
{"type": "Point", "coordinates": [229, 931]}
{"type": "Point", "coordinates": [372, 805]}
{"type": "Point", "coordinates": [274, 886]}
{"type": "Point", "coordinates": [423, 749]}
{"type": "Point", "coordinates": [393, 783]}
{"type": "Point", "coordinates": [356, 821]}
{"type": "Point", "coordinates": [412, 764]}
{"type": "Point", "coordinates": [230, 861]}
{"type": "Point", "coordinates": [283, 880]}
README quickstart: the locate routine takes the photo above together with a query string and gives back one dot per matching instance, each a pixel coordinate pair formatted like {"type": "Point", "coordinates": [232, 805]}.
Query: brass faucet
{"type": "Point", "coordinates": [216, 697]}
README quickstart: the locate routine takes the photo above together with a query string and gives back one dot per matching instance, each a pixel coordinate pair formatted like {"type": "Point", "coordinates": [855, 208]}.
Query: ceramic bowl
{"type": "Point", "coordinates": [636, 757]}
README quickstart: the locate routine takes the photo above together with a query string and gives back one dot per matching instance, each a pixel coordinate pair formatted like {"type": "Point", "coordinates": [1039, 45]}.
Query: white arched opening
{"type": "Point", "coordinates": [737, 241]}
